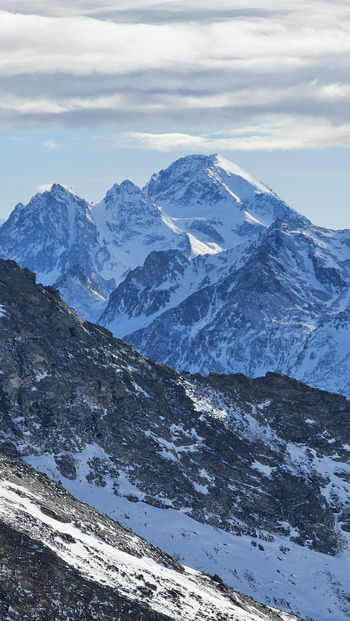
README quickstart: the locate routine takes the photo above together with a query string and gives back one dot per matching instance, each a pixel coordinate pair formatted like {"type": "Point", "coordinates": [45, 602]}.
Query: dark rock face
{"type": "Point", "coordinates": [66, 384]}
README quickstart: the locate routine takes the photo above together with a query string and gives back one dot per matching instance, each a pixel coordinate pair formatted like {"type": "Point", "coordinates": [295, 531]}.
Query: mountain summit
{"type": "Point", "coordinates": [205, 269]}
{"type": "Point", "coordinates": [51, 233]}
{"type": "Point", "coordinates": [203, 180]}
{"type": "Point", "coordinates": [199, 205]}
{"type": "Point", "coordinates": [214, 188]}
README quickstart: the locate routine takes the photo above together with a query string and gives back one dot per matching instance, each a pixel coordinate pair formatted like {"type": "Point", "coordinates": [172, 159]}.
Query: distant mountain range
{"type": "Point", "coordinates": [205, 269]}
{"type": "Point", "coordinates": [245, 479]}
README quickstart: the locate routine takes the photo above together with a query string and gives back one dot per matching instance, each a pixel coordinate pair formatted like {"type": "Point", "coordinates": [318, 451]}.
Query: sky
{"type": "Point", "coordinates": [94, 92]}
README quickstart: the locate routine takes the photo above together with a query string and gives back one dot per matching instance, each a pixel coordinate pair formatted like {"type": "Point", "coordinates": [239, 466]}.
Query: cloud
{"type": "Point", "coordinates": [282, 133]}
{"type": "Point", "coordinates": [50, 145]}
{"type": "Point", "coordinates": [164, 68]}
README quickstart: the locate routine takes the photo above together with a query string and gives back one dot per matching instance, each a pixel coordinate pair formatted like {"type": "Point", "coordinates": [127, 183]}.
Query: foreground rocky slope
{"type": "Point", "coordinates": [248, 479]}
{"type": "Point", "coordinates": [62, 559]}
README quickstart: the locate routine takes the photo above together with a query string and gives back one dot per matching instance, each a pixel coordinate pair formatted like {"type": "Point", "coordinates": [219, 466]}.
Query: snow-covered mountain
{"type": "Point", "coordinates": [280, 304]}
{"type": "Point", "coordinates": [51, 233]}
{"type": "Point", "coordinates": [215, 200]}
{"type": "Point", "coordinates": [327, 348]}
{"type": "Point", "coordinates": [205, 269]}
{"type": "Point", "coordinates": [58, 229]}
{"type": "Point", "coordinates": [246, 479]}
{"type": "Point", "coordinates": [129, 226]}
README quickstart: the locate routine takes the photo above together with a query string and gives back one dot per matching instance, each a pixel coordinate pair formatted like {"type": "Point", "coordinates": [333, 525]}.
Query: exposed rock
{"type": "Point", "coordinates": [265, 458]}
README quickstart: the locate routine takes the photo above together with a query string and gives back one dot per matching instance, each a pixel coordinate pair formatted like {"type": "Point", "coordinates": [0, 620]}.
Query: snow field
{"type": "Point", "coordinates": [94, 558]}
{"type": "Point", "coordinates": [273, 570]}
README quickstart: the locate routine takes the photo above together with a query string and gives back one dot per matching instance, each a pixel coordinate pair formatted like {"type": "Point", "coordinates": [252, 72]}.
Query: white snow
{"type": "Point", "coordinates": [47, 187]}
{"type": "Point", "coordinates": [232, 169]}
{"type": "Point", "coordinates": [41, 375]}
{"type": "Point", "coordinates": [95, 559]}
{"type": "Point", "coordinates": [139, 389]}
{"type": "Point", "coordinates": [263, 468]}
{"type": "Point", "coordinates": [282, 574]}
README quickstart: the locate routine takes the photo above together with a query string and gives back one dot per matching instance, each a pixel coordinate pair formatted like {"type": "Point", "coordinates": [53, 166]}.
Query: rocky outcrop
{"type": "Point", "coordinates": [67, 384]}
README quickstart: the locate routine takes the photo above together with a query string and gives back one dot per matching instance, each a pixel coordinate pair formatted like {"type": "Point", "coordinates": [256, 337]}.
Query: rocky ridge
{"type": "Point", "coordinates": [248, 479]}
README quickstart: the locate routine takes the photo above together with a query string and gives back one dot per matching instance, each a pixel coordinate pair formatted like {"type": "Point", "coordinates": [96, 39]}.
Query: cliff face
{"type": "Point", "coordinates": [225, 472]}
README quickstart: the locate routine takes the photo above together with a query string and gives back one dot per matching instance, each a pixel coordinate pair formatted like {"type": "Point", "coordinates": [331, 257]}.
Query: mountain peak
{"type": "Point", "coordinates": [215, 167]}
{"type": "Point", "coordinates": [210, 186]}
{"type": "Point", "coordinates": [58, 189]}
{"type": "Point", "coordinates": [124, 201]}
{"type": "Point", "coordinates": [123, 192]}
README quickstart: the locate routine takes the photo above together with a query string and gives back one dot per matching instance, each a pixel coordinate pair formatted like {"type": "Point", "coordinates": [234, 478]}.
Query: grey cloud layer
{"type": "Point", "coordinates": [169, 68]}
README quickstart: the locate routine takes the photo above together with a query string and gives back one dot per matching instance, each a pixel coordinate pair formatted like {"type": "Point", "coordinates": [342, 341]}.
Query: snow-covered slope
{"type": "Point", "coordinates": [215, 200]}
{"type": "Point", "coordinates": [276, 304]}
{"type": "Point", "coordinates": [103, 570]}
{"type": "Point", "coordinates": [247, 479]}
{"type": "Point", "coordinates": [325, 357]}
{"type": "Point", "coordinates": [129, 226]}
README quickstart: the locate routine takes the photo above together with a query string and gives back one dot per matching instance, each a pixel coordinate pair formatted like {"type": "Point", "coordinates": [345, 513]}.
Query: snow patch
{"type": "Point", "coordinates": [263, 468]}
{"type": "Point", "coordinates": [41, 376]}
